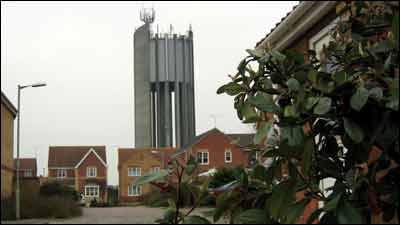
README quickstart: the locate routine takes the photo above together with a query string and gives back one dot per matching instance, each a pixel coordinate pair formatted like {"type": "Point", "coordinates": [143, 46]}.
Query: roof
{"type": "Point", "coordinates": [277, 24]}
{"type": "Point", "coordinates": [243, 139]}
{"type": "Point", "coordinates": [70, 156]}
{"type": "Point", "coordinates": [27, 163]}
{"type": "Point", "coordinates": [125, 154]}
{"type": "Point", "coordinates": [8, 104]}
{"type": "Point", "coordinates": [296, 23]}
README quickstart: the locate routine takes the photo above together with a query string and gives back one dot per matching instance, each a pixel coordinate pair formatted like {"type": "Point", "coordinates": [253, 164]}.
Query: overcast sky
{"type": "Point", "coordinates": [84, 51]}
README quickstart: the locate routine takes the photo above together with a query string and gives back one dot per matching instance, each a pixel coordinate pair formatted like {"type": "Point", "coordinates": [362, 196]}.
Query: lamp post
{"type": "Point", "coordinates": [17, 191]}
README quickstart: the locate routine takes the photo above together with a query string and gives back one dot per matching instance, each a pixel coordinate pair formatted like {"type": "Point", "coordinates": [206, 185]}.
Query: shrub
{"type": "Point", "coordinates": [222, 176]}
{"type": "Point", "coordinates": [34, 205]}
{"type": "Point", "coordinates": [57, 189]}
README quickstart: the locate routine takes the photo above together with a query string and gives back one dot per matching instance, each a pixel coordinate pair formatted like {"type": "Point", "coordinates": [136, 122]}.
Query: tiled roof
{"type": "Point", "coordinates": [243, 140]}
{"type": "Point", "coordinates": [26, 163]}
{"type": "Point", "coordinates": [277, 24]}
{"type": "Point", "coordinates": [69, 156]}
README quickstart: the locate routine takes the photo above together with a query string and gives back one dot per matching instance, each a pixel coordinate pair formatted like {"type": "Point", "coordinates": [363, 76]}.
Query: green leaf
{"type": "Point", "coordinates": [191, 165]}
{"type": "Point", "coordinates": [196, 220]}
{"type": "Point", "coordinates": [323, 106]}
{"type": "Point", "coordinates": [256, 53]}
{"type": "Point", "coordinates": [301, 76]}
{"type": "Point", "coordinates": [294, 212]}
{"type": "Point", "coordinates": [249, 113]}
{"type": "Point", "coordinates": [295, 56]}
{"type": "Point", "coordinates": [293, 134]}
{"type": "Point", "coordinates": [388, 62]}
{"type": "Point", "coordinates": [347, 214]}
{"type": "Point", "coordinates": [231, 88]}
{"type": "Point", "coordinates": [262, 132]}
{"type": "Point", "coordinates": [340, 77]}
{"type": "Point", "coordinates": [291, 111]}
{"type": "Point", "coordinates": [310, 102]}
{"type": "Point", "coordinates": [307, 156]}
{"type": "Point", "coordinates": [147, 178]}
{"type": "Point", "coordinates": [353, 130]}
{"type": "Point", "coordinates": [252, 216]}
{"type": "Point", "coordinates": [359, 99]}
{"type": "Point", "coordinates": [382, 47]}
{"type": "Point", "coordinates": [293, 84]}
{"type": "Point", "coordinates": [277, 55]}
{"type": "Point", "coordinates": [314, 216]}
{"type": "Point", "coordinates": [264, 102]}
{"type": "Point", "coordinates": [395, 28]}
{"type": "Point", "coordinates": [376, 93]}
{"type": "Point", "coordinates": [259, 172]}
{"type": "Point", "coordinates": [282, 197]}
{"type": "Point", "coordinates": [333, 204]}
{"type": "Point", "coordinates": [313, 76]}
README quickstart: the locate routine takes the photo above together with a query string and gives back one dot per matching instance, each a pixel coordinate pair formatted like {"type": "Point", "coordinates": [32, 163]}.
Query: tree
{"type": "Point", "coordinates": [340, 124]}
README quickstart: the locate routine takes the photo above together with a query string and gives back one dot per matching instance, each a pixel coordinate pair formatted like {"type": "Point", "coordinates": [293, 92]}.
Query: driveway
{"type": "Point", "coordinates": [114, 215]}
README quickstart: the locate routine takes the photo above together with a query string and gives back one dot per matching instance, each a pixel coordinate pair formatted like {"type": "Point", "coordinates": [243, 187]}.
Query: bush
{"type": "Point", "coordinates": [223, 176]}
{"type": "Point", "coordinates": [57, 189]}
{"type": "Point", "coordinates": [34, 205]}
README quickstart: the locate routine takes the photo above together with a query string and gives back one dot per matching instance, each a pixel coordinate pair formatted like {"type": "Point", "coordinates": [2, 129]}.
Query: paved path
{"type": "Point", "coordinates": [115, 215]}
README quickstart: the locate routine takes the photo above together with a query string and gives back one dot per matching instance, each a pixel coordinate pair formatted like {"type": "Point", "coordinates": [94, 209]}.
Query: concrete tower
{"type": "Point", "coordinates": [164, 86]}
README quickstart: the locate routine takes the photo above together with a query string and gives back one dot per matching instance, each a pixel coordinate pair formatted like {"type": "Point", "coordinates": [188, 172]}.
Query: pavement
{"type": "Point", "coordinates": [113, 215]}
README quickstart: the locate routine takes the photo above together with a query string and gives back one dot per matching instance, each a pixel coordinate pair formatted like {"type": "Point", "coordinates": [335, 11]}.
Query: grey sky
{"type": "Point", "coordinates": [84, 51]}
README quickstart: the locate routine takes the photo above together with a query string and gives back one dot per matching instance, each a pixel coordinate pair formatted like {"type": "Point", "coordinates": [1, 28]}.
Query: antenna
{"type": "Point", "coordinates": [147, 15]}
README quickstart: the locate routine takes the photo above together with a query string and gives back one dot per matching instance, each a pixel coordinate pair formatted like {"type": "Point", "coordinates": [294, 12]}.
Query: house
{"type": "Point", "coordinates": [215, 149]}
{"type": "Point", "coordinates": [134, 163]}
{"type": "Point", "coordinates": [28, 174]}
{"type": "Point", "coordinates": [83, 168]}
{"type": "Point", "coordinates": [306, 27]}
{"type": "Point", "coordinates": [8, 114]}
{"type": "Point", "coordinates": [27, 168]}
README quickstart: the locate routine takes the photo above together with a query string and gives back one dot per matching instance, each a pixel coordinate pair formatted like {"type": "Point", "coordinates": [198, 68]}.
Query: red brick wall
{"type": "Point", "coordinates": [53, 173]}
{"type": "Point", "coordinates": [216, 143]}
{"type": "Point", "coordinates": [92, 161]}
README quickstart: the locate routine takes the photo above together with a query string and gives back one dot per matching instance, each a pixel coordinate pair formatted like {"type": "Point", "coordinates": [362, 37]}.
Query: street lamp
{"type": "Point", "coordinates": [17, 191]}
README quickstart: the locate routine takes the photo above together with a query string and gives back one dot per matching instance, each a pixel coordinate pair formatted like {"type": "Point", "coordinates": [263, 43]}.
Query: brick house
{"type": "Point", "coordinates": [82, 167]}
{"type": "Point", "coordinates": [27, 168]}
{"type": "Point", "coordinates": [215, 149]}
{"type": "Point", "coordinates": [306, 27]}
{"type": "Point", "coordinates": [135, 162]}
{"type": "Point", "coordinates": [8, 114]}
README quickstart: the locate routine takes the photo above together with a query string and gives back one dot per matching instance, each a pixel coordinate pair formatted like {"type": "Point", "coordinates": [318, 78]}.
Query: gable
{"type": "Point", "coordinates": [70, 156]}
{"type": "Point", "coordinates": [91, 155]}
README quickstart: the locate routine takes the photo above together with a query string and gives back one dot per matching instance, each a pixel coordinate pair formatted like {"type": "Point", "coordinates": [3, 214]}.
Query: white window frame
{"type": "Point", "coordinates": [201, 158]}
{"type": "Point", "coordinates": [230, 156]}
{"type": "Point", "coordinates": [155, 169]}
{"type": "Point", "coordinates": [28, 173]}
{"type": "Point", "coordinates": [134, 171]}
{"type": "Point", "coordinates": [90, 191]}
{"type": "Point", "coordinates": [91, 171]}
{"type": "Point", "coordinates": [62, 173]}
{"type": "Point", "coordinates": [134, 191]}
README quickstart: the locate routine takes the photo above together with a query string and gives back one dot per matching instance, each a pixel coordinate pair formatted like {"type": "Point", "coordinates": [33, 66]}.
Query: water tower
{"type": "Point", "coordinates": [164, 86]}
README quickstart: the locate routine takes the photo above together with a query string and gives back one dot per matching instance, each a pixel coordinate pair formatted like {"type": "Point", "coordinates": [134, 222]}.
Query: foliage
{"type": "Point", "coordinates": [57, 189]}
{"type": "Point", "coordinates": [34, 205]}
{"type": "Point", "coordinates": [337, 113]}
{"type": "Point", "coordinates": [179, 182]}
{"type": "Point", "coordinates": [222, 176]}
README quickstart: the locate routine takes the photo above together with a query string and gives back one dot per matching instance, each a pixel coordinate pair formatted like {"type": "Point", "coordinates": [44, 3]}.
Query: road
{"type": "Point", "coordinates": [114, 215]}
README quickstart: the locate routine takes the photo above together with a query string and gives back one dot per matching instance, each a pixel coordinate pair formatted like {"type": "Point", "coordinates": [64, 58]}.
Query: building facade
{"type": "Point", "coordinates": [83, 168]}
{"type": "Point", "coordinates": [164, 87]}
{"type": "Point", "coordinates": [27, 168]}
{"type": "Point", "coordinates": [8, 114]}
{"type": "Point", "coordinates": [134, 163]}
{"type": "Point", "coordinates": [215, 149]}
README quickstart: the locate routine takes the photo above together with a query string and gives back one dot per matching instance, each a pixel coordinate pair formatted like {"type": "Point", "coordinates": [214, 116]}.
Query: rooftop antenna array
{"type": "Point", "coordinates": [147, 15]}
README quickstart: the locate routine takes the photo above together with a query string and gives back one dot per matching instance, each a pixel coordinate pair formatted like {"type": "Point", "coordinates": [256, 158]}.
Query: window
{"type": "Point", "coordinates": [202, 158]}
{"type": "Point", "coordinates": [228, 156]}
{"type": "Point", "coordinates": [134, 190]}
{"type": "Point", "coordinates": [134, 171]}
{"type": "Point", "coordinates": [91, 172]}
{"type": "Point", "coordinates": [155, 169]}
{"type": "Point", "coordinates": [61, 173]}
{"type": "Point", "coordinates": [92, 190]}
{"type": "Point", "coordinates": [28, 173]}
{"type": "Point", "coordinates": [317, 43]}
